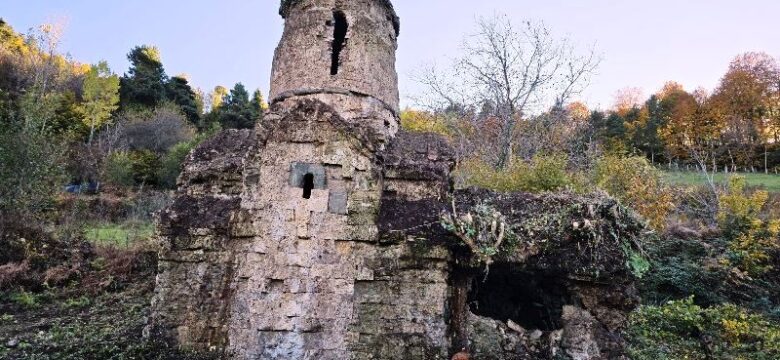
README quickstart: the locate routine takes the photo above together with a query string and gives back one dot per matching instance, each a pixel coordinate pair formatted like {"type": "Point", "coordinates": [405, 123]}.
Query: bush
{"type": "Point", "coordinates": [31, 172]}
{"type": "Point", "coordinates": [156, 131]}
{"type": "Point", "coordinates": [548, 173]}
{"type": "Point", "coordinates": [739, 211]}
{"type": "Point", "coordinates": [542, 173]}
{"type": "Point", "coordinates": [119, 170]}
{"type": "Point", "coordinates": [145, 165]}
{"type": "Point", "coordinates": [685, 266]}
{"type": "Point", "coordinates": [752, 238]}
{"type": "Point", "coordinates": [684, 330]}
{"type": "Point", "coordinates": [172, 164]}
{"type": "Point", "coordinates": [637, 184]}
{"type": "Point", "coordinates": [423, 121]}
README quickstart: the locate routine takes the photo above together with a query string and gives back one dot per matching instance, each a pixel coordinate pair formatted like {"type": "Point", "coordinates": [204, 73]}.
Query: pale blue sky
{"type": "Point", "coordinates": [644, 43]}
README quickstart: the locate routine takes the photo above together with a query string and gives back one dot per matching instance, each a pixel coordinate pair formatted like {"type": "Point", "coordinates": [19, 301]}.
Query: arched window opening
{"type": "Point", "coordinates": [308, 185]}
{"type": "Point", "coordinates": [340, 29]}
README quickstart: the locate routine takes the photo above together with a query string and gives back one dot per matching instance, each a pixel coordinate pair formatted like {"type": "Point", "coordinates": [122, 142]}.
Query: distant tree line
{"type": "Point", "coordinates": [511, 96]}
{"type": "Point", "coordinates": [63, 122]}
{"type": "Point", "coordinates": [736, 127]}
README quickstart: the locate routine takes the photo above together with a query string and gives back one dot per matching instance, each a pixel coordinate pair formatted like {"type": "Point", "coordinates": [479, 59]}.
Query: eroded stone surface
{"type": "Point", "coordinates": [269, 274]}
{"type": "Point", "coordinates": [302, 62]}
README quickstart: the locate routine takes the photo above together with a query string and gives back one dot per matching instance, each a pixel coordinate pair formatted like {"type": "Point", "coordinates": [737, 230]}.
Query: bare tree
{"type": "Point", "coordinates": [512, 74]}
{"type": "Point", "coordinates": [157, 131]}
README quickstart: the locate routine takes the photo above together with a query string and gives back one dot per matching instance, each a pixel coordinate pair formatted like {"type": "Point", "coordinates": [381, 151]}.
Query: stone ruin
{"type": "Point", "coordinates": [319, 234]}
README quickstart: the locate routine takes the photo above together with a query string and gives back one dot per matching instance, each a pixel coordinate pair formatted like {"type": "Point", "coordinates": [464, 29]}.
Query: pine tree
{"type": "Point", "coordinates": [181, 94]}
{"type": "Point", "coordinates": [145, 83]}
{"type": "Point", "coordinates": [236, 111]}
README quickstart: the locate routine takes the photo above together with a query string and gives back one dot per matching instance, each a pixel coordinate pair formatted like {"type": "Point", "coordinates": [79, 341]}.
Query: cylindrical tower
{"type": "Point", "coordinates": [337, 46]}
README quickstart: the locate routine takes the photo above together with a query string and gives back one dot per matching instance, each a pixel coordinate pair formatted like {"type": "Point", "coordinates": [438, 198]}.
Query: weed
{"type": "Point", "coordinates": [25, 299]}
{"type": "Point", "coordinates": [78, 302]}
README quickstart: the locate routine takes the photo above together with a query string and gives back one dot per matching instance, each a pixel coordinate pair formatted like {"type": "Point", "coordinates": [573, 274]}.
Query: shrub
{"type": "Point", "coordinates": [548, 173]}
{"type": "Point", "coordinates": [738, 211]}
{"type": "Point", "coordinates": [637, 184]}
{"type": "Point", "coordinates": [172, 163]}
{"type": "Point", "coordinates": [31, 172]}
{"type": "Point", "coordinates": [542, 173]}
{"type": "Point", "coordinates": [751, 238]}
{"type": "Point", "coordinates": [25, 299]}
{"type": "Point", "coordinates": [684, 330]}
{"type": "Point", "coordinates": [423, 121]}
{"type": "Point", "coordinates": [13, 273]}
{"type": "Point", "coordinates": [119, 170]}
{"type": "Point", "coordinates": [685, 266]}
{"type": "Point", "coordinates": [156, 131]}
{"type": "Point", "coordinates": [145, 165]}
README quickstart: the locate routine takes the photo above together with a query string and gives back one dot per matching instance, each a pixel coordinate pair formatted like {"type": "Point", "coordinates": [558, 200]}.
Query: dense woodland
{"type": "Point", "coordinates": [87, 156]}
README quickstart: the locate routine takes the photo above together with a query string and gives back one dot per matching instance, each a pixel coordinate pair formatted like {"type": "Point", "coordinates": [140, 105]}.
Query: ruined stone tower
{"type": "Point", "coordinates": [337, 47]}
{"type": "Point", "coordinates": [288, 264]}
{"type": "Point", "coordinates": [317, 235]}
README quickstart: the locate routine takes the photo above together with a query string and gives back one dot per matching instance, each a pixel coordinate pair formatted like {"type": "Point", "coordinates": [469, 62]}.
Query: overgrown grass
{"type": "Point", "coordinates": [123, 234]}
{"type": "Point", "coordinates": [769, 182]}
{"type": "Point", "coordinates": [26, 299]}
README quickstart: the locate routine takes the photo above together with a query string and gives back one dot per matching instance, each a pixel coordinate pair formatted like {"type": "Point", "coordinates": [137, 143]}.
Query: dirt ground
{"type": "Point", "coordinates": [76, 323]}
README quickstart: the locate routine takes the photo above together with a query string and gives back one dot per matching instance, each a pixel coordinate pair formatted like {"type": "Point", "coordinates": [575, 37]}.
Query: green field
{"type": "Point", "coordinates": [769, 182]}
{"type": "Point", "coordinates": [118, 234]}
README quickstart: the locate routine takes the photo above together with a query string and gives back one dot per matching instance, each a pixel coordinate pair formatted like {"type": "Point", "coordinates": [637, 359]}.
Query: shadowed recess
{"type": "Point", "coordinates": [340, 28]}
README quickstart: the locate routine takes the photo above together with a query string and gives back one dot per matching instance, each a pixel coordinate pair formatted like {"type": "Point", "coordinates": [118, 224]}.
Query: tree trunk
{"type": "Point", "coordinates": [505, 152]}
{"type": "Point", "coordinates": [766, 161]}
{"type": "Point", "coordinates": [91, 132]}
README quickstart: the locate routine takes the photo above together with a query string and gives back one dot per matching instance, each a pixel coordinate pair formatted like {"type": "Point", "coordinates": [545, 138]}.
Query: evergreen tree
{"type": "Point", "coordinates": [145, 83]}
{"type": "Point", "coordinates": [181, 94]}
{"type": "Point", "coordinates": [236, 111]}
{"type": "Point", "coordinates": [654, 145]}
{"type": "Point", "coordinates": [610, 129]}
{"type": "Point", "coordinates": [258, 105]}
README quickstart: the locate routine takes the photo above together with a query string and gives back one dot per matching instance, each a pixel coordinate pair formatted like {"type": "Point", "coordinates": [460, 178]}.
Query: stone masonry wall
{"type": "Point", "coordinates": [280, 276]}
{"type": "Point", "coordinates": [196, 265]}
{"type": "Point", "coordinates": [302, 62]}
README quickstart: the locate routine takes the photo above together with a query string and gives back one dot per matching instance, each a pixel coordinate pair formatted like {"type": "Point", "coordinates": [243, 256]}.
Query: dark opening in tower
{"type": "Point", "coordinates": [308, 185]}
{"type": "Point", "coordinates": [340, 29]}
{"type": "Point", "coordinates": [532, 300]}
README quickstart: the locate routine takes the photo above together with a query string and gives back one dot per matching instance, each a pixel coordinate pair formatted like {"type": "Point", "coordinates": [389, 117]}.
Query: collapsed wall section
{"type": "Point", "coordinates": [197, 261]}
{"type": "Point", "coordinates": [562, 286]}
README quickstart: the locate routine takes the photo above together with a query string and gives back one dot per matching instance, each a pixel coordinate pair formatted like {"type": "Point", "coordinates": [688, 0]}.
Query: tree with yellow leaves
{"type": "Point", "coordinates": [101, 96]}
